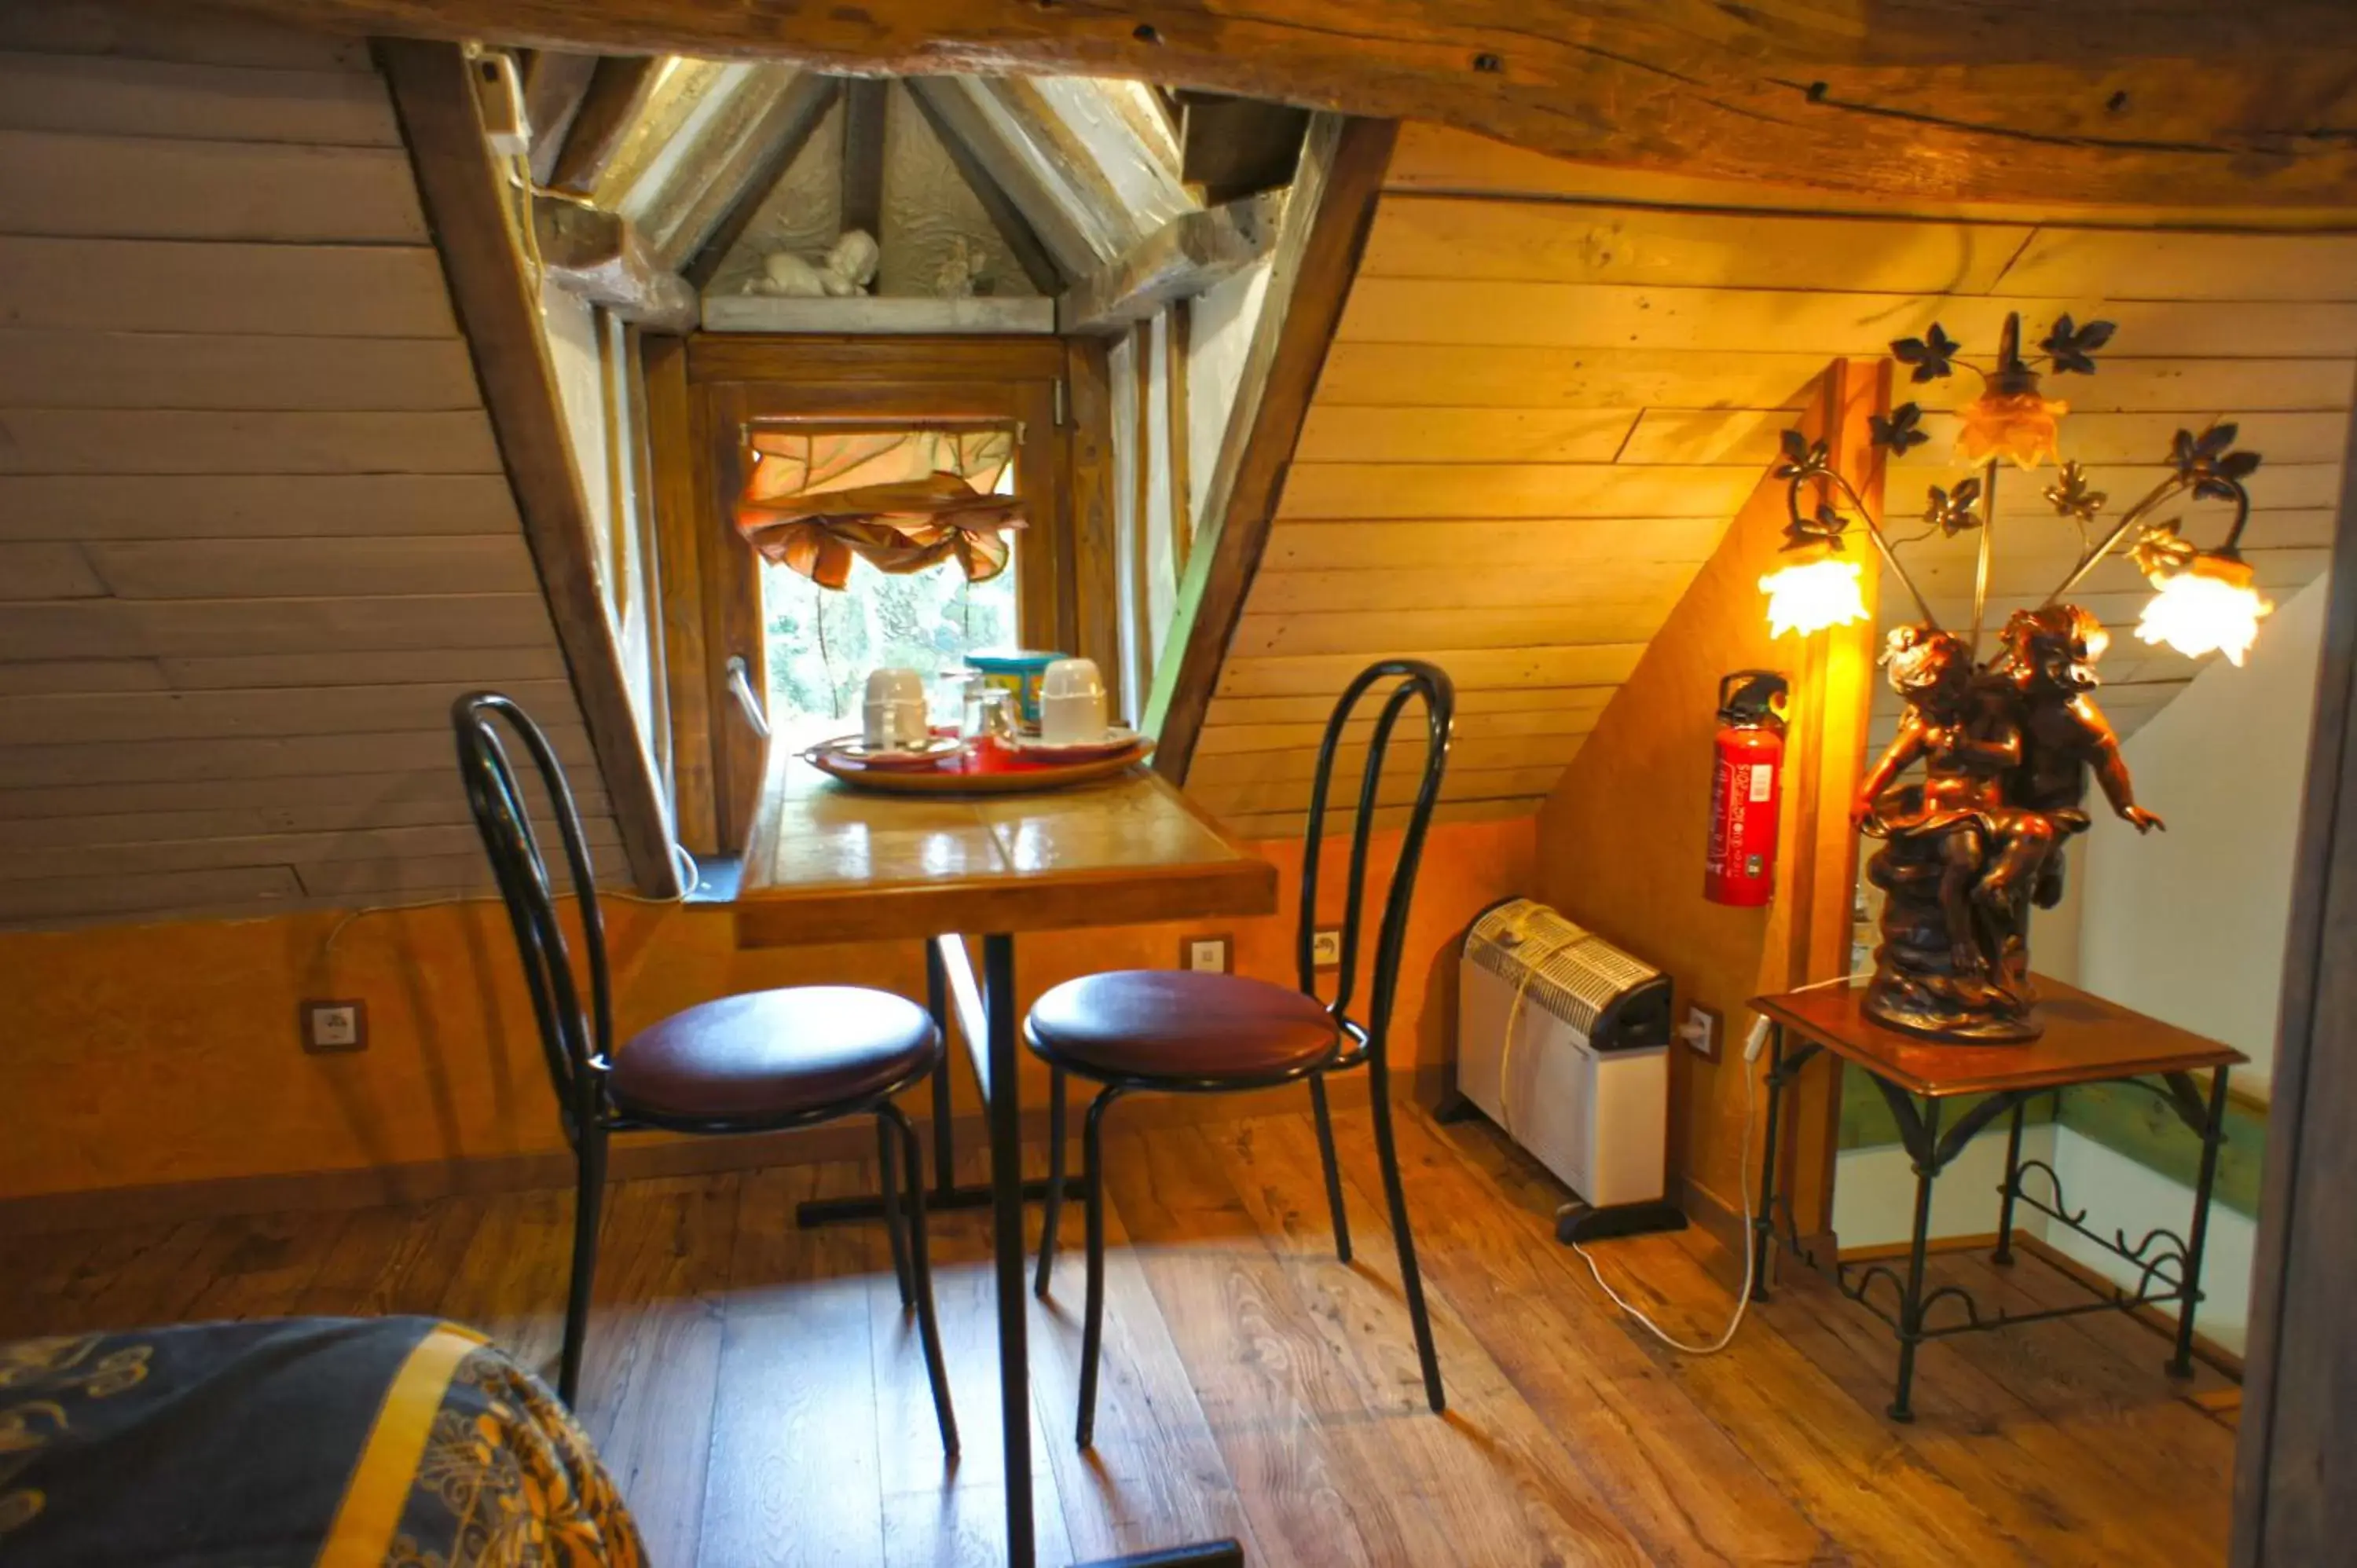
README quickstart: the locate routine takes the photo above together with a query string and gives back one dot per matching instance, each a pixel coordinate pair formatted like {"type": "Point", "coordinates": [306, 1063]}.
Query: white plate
{"type": "Point", "coordinates": [855, 748]}
{"type": "Point", "coordinates": [1118, 737]}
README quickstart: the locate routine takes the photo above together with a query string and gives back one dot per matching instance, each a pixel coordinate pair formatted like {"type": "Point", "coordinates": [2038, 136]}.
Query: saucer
{"type": "Point", "coordinates": [1117, 737]}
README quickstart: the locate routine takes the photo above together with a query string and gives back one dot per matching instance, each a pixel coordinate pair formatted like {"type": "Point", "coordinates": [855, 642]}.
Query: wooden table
{"type": "Point", "coordinates": [830, 864]}
{"type": "Point", "coordinates": [2087, 1040]}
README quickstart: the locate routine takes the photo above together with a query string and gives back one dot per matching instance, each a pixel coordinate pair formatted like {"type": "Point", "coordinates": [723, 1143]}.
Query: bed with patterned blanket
{"type": "Point", "coordinates": [339, 1442]}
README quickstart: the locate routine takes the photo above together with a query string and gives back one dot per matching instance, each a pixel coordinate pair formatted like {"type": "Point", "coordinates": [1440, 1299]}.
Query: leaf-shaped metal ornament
{"type": "Point", "coordinates": [2160, 549]}
{"type": "Point", "coordinates": [2070, 496]}
{"type": "Point", "coordinates": [1951, 511]}
{"type": "Point", "coordinates": [2206, 463]}
{"type": "Point", "coordinates": [1901, 431]}
{"type": "Point", "coordinates": [1801, 460]}
{"type": "Point", "coordinates": [2071, 348]}
{"type": "Point", "coordinates": [1932, 355]}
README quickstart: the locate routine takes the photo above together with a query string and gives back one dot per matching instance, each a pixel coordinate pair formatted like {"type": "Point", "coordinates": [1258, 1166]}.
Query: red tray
{"type": "Point", "coordinates": [983, 769]}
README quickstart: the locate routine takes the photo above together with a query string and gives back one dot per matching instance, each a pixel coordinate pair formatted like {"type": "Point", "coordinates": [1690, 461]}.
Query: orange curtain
{"type": "Point", "coordinates": [900, 500]}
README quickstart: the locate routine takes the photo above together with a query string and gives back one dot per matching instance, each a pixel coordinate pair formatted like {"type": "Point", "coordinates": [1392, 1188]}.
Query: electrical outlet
{"type": "Point", "coordinates": [334, 1026]}
{"type": "Point", "coordinates": [1326, 948]}
{"type": "Point", "coordinates": [1701, 1030]}
{"type": "Point", "coordinates": [1208, 955]}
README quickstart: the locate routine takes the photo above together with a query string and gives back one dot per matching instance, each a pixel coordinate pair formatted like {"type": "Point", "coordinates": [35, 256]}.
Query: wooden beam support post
{"type": "Point", "coordinates": [864, 101]}
{"type": "Point", "coordinates": [768, 152]}
{"type": "Point", "coordinates": [598, 255]}
{"type": "Point", "coordinates": [465, 197]}
{"type": "Point", "coordinates": [1177, 261]}
{"type": "Point", "coordinates": [617, 89]}
{"type": "Point", "coordinates": [1328, 218]}
{"type": "Point", "coordinates": [555, 81]}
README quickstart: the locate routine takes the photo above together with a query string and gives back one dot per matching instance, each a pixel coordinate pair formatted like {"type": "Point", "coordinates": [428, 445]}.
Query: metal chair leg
{"type": "Point", "coordinates": [589, 1203]}
{"type": "Point", "coordinates": [1052, 1209]}
{"type": "Point", "coordinates": [1092, 1314]}
{"type": "Point", "coordinates": [1333, 1167]}
{"type": "Point", "coordinates": [928, 1326]}
{"type": "Point", "coordinates": [1411, 1281]}
{"type": "Point", "coordinates": [896, 1216]}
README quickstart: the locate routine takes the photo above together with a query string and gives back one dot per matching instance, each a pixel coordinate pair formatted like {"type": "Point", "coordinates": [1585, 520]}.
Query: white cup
{"type": "Point", "coordinates": [893, 712]}
{"type": "Point", "coordinates": [1071, 702]}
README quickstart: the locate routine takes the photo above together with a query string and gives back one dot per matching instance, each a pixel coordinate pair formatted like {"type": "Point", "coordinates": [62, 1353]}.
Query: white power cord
{"type": "Point", "coordinates": [1753, 1044]}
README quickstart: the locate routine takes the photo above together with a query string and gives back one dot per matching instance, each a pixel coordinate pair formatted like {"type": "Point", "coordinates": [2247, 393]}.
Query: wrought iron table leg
{"type": "Point", "coordinates": [1911, 1305]}
{"type": "Point", "coordinates": [2004, 1253]}
{"type": "Point", "coordinates": [1763, 1224]}
{"type": "Point", "coordinates": [1007, 1244]}
{"type": "Point", "coordinates": [2180, 1365]}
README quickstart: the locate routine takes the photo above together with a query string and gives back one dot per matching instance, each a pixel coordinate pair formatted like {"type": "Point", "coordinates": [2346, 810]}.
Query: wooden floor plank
{"type": "Point", "coordinates": [794, 1477]}
{"type": "Point", "coordinates": [1555, 1392]}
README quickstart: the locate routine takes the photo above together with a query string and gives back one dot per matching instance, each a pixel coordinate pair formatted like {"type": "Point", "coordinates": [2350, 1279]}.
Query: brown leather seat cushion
{"type": "Point", "coordinates": [1166, 1023]}
{"type": "Point", "coordinates": [771, 1054]}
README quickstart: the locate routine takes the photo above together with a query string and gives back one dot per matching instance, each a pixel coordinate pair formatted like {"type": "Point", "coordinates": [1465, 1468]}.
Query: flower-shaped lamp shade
{"type": "Point", "coordinates": [2212, 606]}
{"type": "Point", "coordinates": [2024, 427]}
{"type": "Point", "coordinates": [1811, 597]}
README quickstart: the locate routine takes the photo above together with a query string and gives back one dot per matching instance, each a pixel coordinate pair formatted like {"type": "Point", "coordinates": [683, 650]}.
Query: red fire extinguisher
{"type": "Point", "coordinates": [1746, 789]}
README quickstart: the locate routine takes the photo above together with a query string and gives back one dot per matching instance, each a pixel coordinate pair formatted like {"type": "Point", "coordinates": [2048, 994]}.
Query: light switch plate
{"type": "Point", "coordinates": [1326, 948]}
{"type": "Point", "coordinates": [335, 1027]}
{"type": "Point", "coordinates": [1211, 955]}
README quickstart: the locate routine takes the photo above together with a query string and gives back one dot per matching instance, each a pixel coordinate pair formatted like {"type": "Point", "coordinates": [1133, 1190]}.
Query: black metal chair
{"type": "Point", "coordinates": [754, 1063]}
{"type": "Point", "coordinates": [1191, 1032]}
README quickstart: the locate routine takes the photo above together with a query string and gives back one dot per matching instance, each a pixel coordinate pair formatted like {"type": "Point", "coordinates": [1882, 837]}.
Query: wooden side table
{"type": "Point", "coordinates": [2087, 1040]}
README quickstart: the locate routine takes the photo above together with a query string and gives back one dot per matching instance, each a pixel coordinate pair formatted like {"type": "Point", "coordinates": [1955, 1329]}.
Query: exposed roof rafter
{"type": "Point", "coordinates": [1177, 261]}
{"type": "Point", "coordinates": [616, 92]}
{"type": "Point", "coordinates": [783, 133]}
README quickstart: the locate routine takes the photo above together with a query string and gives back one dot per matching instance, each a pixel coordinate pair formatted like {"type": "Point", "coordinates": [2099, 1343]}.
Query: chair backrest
{"type": "Point", "coordinates": [1417, 680]}
{"type": "Point", "coordinates": [575, 1044]}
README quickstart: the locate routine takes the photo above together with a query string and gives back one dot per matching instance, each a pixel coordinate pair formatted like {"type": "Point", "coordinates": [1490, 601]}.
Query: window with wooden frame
{"type": "Point", "coordinates": [722, 603]}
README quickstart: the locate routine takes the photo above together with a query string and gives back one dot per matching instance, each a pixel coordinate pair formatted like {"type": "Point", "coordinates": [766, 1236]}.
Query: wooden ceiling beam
{"type": "Point", "coordinates": [1177, 261]}
{"type": "Point", "coordinates": [864, 101]}
{"type": "Point", "coordinates": [599, 256]}
{"type": "Point", "coordinates": [465, 195]}
{"type": "Point", "coordinates": [772, 150]}
{"type": "Point", "coordinates": [1076, 167]}
{"type": "Point", "coordinates": [617, 89]}
{"type": "Point", "coordinates": [1002, 209]}
{"type": "Point", "coordinates": [2172, 102]}
{"type": "Point", "coordinates": [1237, 146]}
{"type": "Point", "coordinates": [1329, 214]}
{"type": "Point", "coordinates": [554, 84]}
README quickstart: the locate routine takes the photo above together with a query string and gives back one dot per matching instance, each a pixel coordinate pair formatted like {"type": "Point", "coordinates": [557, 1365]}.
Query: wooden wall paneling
{"type": "Point", "coordinates": [464, 196]}
{"type": "Point", "coordinates": [617, 89]}
{"type": "Point", "coordinates": [180, 285]}
{"type": "Point", "coordinates": [2075, 100]}
{"type": "Point", "coordinates": [434, 847]}
{"type": "Point", "coordinates": [90, 629]}
{"type": "Point", "coordinates": [250, 506]}
{"type": "Point", "coordinates": [1473, 239]}
{"type": "Point", "coordinates": [85, 897]}
{"type": "Point", "coordinates": [1006, 214]}
{"type": "Point", "coordinates": [108, 29]}
{"type": "Point", "coordinates": [1325, 675]}
{"type": "Point", "coordinates": [1617, 817]}
{"type": "Point", "coordinates": [1416, 545]}
{"type": "Point", "coordinates": [785, 131]}
{"type": "Point", "coordinates": [334, 806]}
{"type": "Point", "coordinates": [1326, 222]}
{"type": "Point", "coordinates": [183, 371]}
{"type": "Point", "coordinates": [179, 442]}
{"type": "Point", "coordinates": [424, 792]}
{"type": "Point", "coordinates": [679, 523]}
{"type": "Point", "coordinates": [2294, 1487]}
{"type": "Point", "coordinates": [144, 187]}
{"type": "Point", "coordinates": [99, 95]}
{"type": "Point", "coordinates": [555, 85]}
{"type": "Point", "coordinates": [47, 572]}
{"type": "Point", "coordinates": [417, 666]}
{"type": "Point", "coordinates": [54, 675]}
{"type": "Point", "coordinates": [311, 568]}
{"type": "Point", "coordinates": [1506, 375]}
{"type": "Point", "coordinates": [1574, 704]}
{"type": "Point", "coordinates": [1633, 317]}
{"type": "Point", "coordinates": [248, 757]}
{"type": "Point", "coordinates": [1357, 490]}
{"type": "Point", "coordinates": [86, 717]}
{"type": "Point", "coordinates": [1096, 576]}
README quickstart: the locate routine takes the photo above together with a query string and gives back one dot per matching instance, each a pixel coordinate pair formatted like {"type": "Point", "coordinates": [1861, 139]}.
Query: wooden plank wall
{"type": "Point", "coordinates": [254, 531]}
{"type": "Point", "coordinates": [1552, 387]}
